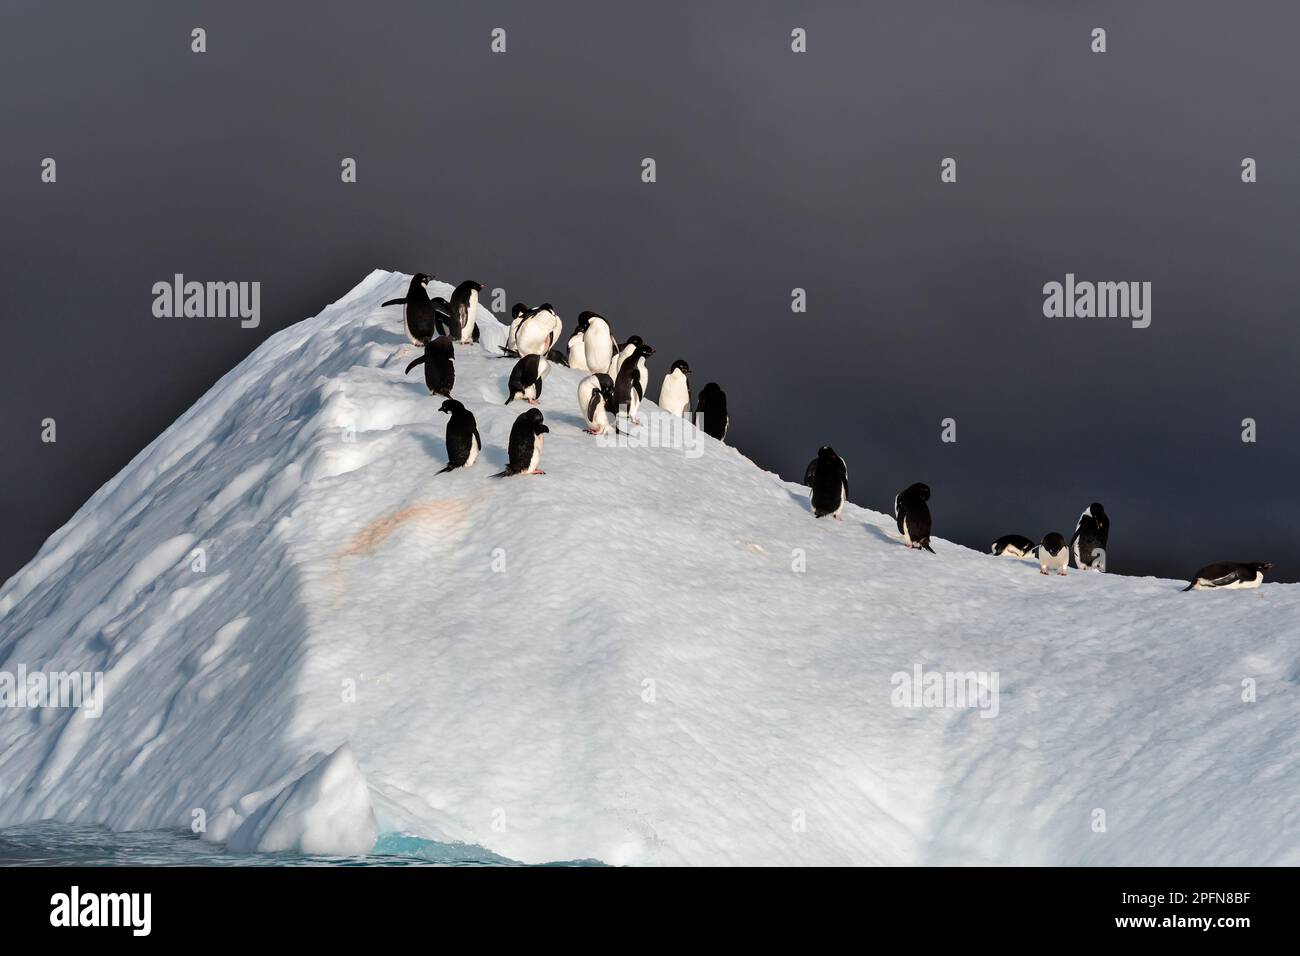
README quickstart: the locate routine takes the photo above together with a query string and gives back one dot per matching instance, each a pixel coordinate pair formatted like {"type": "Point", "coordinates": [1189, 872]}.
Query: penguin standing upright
{"type": "Point", "coordinates": [1229, 575]}
{"type": "Point", "coordinates": [439, 361]}
{"type": "Point", "coordinates": [577, 348]}
{"type": "Point", "coordinates": [463, 310]}
{"type": "Point", "coordinates": [675, 392]}
{"type": "Point", "coordinates": [621, 354]}
{"type": "Point", "coordinates": [828, 477]}
{"type": "Point", "coordinates": [1053, 555]}
{"type": "Point", "coordinates": [526, 379]}
{"type": "Point", "coordinates": [711, 411]}
{"type": "Point", "coordinates": [1013, 545]}
{"type": "Point", "coordinates": [463, 443]}
{"type": "Point", "coordinates": [597, 342]}
{"type": "Point", "coordinates": [596, 400]}
{"type": "Point", "coordinates": [1088, 543]}
{"type": "Point", "coordinates": [913, 515]}
{"type": "Point", "coordinates": [629, 386]}
{"type": "Point", "coordinates": [525, 445]}
{"type": "Point", "coordinates": [420, 317]}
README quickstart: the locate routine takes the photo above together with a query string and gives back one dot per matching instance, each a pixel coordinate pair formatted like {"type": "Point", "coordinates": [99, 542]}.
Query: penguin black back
{"type": "Point", "coordinates": [711, 411]}
{"type": "Point", "coordinates": [828, 476]}
{"type": "Point", "coordinates": [913, 514]}
{"type": "Point", "coordinates": [463, 442]}
{"type": "Point", "coordinates": [1088, 543]}
{"type": "Point", "coordinates": [421, 318]}
{"type": "Point", "coordinates": [439, 361]}
{"type": "Point", "coordinates": [525, 444]}
{"type": "Point", "coordinates": [629, 374]}
{"type": "Point", "coordinates": [526, 374]}
{"type": "Point", "coordinates": [1017, 544]}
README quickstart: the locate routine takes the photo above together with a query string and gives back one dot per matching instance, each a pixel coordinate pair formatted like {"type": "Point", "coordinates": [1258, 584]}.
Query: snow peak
{"type": "Point", "coordinates": [1104, 300]}
{"type": "Point", "coordinates": [946, 689]}
{"type": "Point", "coordinates": [208, 300]}
{"type": "Point", "coordinates": [103, 909]}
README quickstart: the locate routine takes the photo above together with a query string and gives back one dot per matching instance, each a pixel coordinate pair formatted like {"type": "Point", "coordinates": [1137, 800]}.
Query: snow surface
{"type": "Point", "coordinates": [647, 679]}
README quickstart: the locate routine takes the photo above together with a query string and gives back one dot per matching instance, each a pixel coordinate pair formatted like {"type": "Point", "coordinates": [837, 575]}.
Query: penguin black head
{"type": "Point", "coordinates": [534, 416]}
{"type": "Point", "coordinates": [919, 490]}
{"type": "Point", "coordinates": [1096, 510]}
{"type": "Point", "coordinates": [826, 452]}
{"type": "Point", "coordinates": [421, 278]}
{"type": "Point", "coordinates": [712, 389]}
{"type": "Point", "coordinates": [517, 310]}
{"type": "Point", "coordinates": [1259, 565]}
{"type": "Point", "coordinates": [642, 349]}
{"type": "Point", "coordinates": [441, 346]}
{"type": "Point", "coordinates": [451, 406]}
{"type": "Point", "coordinates": [681, 366]}
{"type": "Point", "coordinates": [633, 340]}
{"type": "Point", "coordinates": [545, 307]}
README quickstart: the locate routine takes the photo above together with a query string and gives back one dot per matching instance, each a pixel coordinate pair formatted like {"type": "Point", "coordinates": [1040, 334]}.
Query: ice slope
{"type": "Point", "coordinates": [640, 657]}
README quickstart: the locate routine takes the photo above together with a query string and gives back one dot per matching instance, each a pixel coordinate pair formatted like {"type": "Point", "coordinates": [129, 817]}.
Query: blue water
{"type": "Point", "coordinates": [66, 844]}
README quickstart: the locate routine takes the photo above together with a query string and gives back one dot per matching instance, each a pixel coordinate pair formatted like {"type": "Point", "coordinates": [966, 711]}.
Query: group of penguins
{"type": "Point", "coordinates": [618, 376]}
{"type": "Point", "coordinates": [618, 380]}
{"type": "Point", "coordinates": [828, 477]}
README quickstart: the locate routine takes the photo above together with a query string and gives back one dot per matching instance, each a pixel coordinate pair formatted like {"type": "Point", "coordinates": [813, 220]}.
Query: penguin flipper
{"type": "Point", "coordinates": [401, 301]}
{"type": "Point", "coordinates": [449, 467]}
{"type": "Point", "coordinates": [1190, 586]}
{"type": "Point", "coordinates": [926, 544]}
{"type": "Point", "coordinates": [810, 474]}
{"type": "Point", "coordinates": [418, 360]}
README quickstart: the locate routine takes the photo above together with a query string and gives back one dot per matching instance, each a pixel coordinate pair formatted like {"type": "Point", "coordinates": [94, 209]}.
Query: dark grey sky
{"type": "Point", "coordinates": [775, 170]}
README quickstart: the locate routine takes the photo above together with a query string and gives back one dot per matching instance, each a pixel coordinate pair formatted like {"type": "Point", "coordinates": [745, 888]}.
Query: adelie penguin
{"type": "Point", "coordinates": [596, 400]}
{"type": "Point", "coordinates": [828, 477]}
{"type": "Point", "coordinates": [597, 342]}
{"type": "Point", "coordinates": [1013, 546]}
{"type": "Point", "coordinates": [1229, 575]}
{"type": "Point", "coordinates": [913, 515]}
{"type": "Point", "coordinates": [463, 443]}
{"type": "Point", "coordinates": [439, 361]}
{"type": "Point", "coordinates": [711, 412]}
{"type": "Point", "coordinates": [621, 354]}
{"type": "Point", "coordinates": [675, 392]}
{"type": "Point", "coordinates": [538, 330]}
{"type": "Point", "coordinates": [1088, 543]}
{"type": "Point", "coordinates": [629, 386]}
{"type": "Point", "coordinates": [577, 347]}
{"type": "Point", "coordinates": [526, 445]}
{"type": "Point", "coordinates": [462, 310]}
{"type": "Point", "coordinates": [1053, 555]}
{"type": "Point", "coordinates": [420, 312]}
{"type": "Point", "coordinates": [526, 379]}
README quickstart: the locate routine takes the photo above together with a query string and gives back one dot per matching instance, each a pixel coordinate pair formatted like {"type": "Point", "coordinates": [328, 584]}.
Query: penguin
{"type": "Point", "coordinates": [596, 400]}
{"type": "Point", "coordinates": [1013, 546]}
{"type": "Point", "coordinates": [629, 385]}
{"type": "Point", "coordinates": [463, 443]}
{"type": "Point", "coordinates": [577, 348]}
{"type": "Point", "coordinates": [711, 411]}
{"type": "Point", "coordinates": [1088, 543]}
{"type": "Point", "coordinates": [439, 361]}
{"type": "Point", "coordinates": [526, 379]}
{"type": "Point", "coordinates": [463, 310]}
{"type": "Point", "coordinates": [556, 357]}
{"type": "Point", "coordinates": [1053, 555]}
{"type": "Point", "coordinates": [538, 330]}
{"type": "Point", "coordinates": [517, 313]}
{"type": "Point", "coordinates": [622, 352]}
{"type": "Point", "coordinates": [675, 392]}
{"type": "Point", "coordinates": [828, 477]}
{"type": "Point", "coordinates": [419, 313]}
{"type": "Point", "coordinates": [1230, 575]}
{"type": "Point", "coordinates": [597, 342]}
{"type": "Point", "coordinates": [913, 515]}
{"type": "Point", "coordinates": [525, 445]}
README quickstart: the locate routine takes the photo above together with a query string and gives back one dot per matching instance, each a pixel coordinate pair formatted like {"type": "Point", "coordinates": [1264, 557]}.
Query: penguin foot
{"type": "Point", "coordinates": [538, 472]}
{"type": "Point", "coordinates": [533, 401]}
{"type": "Point", "coordinates": [1043, 573]}
{"type": "Point", "coordinates": [1062, 573]}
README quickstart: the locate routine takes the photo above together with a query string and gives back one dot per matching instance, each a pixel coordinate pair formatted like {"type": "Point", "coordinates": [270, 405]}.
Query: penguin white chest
{"type": "Point", "coordinates": [674, 397]}
{"type": "Point", "coordinates": [473, 451]}
{"type": "Point", "coordinates": [1052, 562]}
{"type": "Point", "coordinates": [537, 453]}
{"type": "Point", "coordinates": [467, 331]}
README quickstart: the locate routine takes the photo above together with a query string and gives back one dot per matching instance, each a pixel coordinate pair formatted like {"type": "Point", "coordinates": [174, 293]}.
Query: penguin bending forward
{"type": "Point", "coordinates": [629, 385]}
{"type": "Point", "coordinates": [1053, 555]}
{"type": "Point", "coordinates": [439, 361]}
{"type": "Point", "coordinates": [577, 348]}
{"type": "Point", "coordinates": [1230, 575]}
{"type": "Point", "coordinates": [538, 330]}
{"type": "Point", "coordinates": [1013, 545]}
{"type": "Point", "coordinates": [525, 445]}
{"type": "Point", "coordinates": [913, 515]}
{"type": "Point", "coordinates": [419, 317]}
{"type": "Point", "coordinates": [1088, 543]}
{"type": "Point", "coordinates": [596, 400]}
{"type": "Point", "coordinates": [526, 379]}
{"type": "Point", "coordinates": [463, 443]}
{"type": "Point", "coordinates": [675, 392]}
{"type": "Point", "coordinates": [711, 411]}
{"type": "Point", "coordinates": [461, 311]}
{"type": "Point", "coordinates": [828, 476]}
